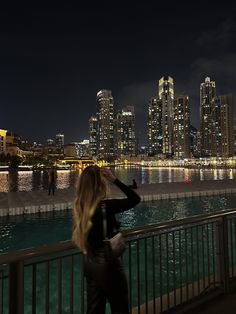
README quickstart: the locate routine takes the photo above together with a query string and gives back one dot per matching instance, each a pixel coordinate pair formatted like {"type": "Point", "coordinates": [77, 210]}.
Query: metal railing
{"type": "Point", "coordinates": [168, 265]}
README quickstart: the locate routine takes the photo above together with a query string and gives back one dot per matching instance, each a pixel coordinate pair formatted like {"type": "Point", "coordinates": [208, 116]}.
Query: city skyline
{"type": "Point", "coordinates": [55, 61]}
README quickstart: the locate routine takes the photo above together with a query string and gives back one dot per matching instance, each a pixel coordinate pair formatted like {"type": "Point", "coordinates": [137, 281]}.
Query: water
{"type": "Point", "coordinates": [38, 180]}
{"type": "Point", "coordinates": [17, 232]}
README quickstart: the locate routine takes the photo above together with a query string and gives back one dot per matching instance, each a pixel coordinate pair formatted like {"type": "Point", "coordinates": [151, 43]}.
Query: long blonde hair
{"type": "Point", "coordinates": [91, 189]}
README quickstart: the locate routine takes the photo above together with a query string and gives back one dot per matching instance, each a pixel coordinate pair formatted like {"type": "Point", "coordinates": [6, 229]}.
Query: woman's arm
{"type": "Point", "coordinates": [120, 205]}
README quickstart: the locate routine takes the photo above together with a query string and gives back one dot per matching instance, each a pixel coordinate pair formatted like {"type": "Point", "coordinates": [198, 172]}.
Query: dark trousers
{"type": "Point", "coordinates": [106, 281]}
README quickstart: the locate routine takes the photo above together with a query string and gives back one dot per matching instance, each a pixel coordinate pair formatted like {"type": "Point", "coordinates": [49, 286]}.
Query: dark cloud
{"type": "Point", "coordinates": [137, 94]}
{"type": "Point", "coordinates": [219, 37]}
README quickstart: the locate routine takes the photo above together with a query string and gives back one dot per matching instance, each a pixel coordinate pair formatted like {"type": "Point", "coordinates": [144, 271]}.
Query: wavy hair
{"type": "Point", "coordinates": [91, 189]}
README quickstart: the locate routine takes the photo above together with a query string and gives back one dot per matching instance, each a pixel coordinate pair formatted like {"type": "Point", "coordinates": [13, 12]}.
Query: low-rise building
{"type": "Point", "coordinates": [3, 141]}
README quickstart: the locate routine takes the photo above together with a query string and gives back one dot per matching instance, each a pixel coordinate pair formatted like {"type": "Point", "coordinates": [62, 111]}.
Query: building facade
{"type": "Point", "coordinates": [216, 128]}
{"type": "Point", "coordinates": [125, 132]}
{"type": "Point", "coordinates": [93, 138]}
{"type": "Point", "coordinates": [207, 94]}
{"type": "Point", "coordinates": [60, 140]}
{"type": "Point", "coordinates": [154, 125]}
{"type": "Point", "coordinates": [105, 117]}
{"type": "Point", "coordinates": [83, 149]}
{"type": "Point", "coordinates": [166, 95]}
{"type": "Point", "coordinates": [193, 135]}
{"type": "Point", "coordinates": [50, 141]}
{"type": "Point", "coordinates": [181, 127]}
{"type": "Point", "coordinates": [70, 150]}
{"type": "Point", "coordinates": [3, 134]}
{"type": "Point", "coordinates": [234, 137]}
{"type": "Point", "coordinates": [226, 115]}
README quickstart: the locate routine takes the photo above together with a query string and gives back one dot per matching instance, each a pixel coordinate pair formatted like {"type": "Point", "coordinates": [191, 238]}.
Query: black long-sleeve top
{"type": "Point", "coordinates": [112, 207]}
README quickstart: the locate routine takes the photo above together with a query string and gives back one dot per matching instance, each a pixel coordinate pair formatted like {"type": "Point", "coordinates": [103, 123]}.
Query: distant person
{"type": "Point", "coordinates": [52, 177]}
{"type": "Point", "coordinates": [133, 185]}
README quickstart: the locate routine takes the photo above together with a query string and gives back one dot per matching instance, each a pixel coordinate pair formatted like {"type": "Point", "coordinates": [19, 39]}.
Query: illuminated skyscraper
{"type": "Point", "coordinates": [181, 127]}
{"type": "Point", "coordinates": [234, 130]}
{"type": "Point", "coordinates": [207, 94]}
{"type": "Point", "coordinates": [50, 141]}
{"type": "Point", "coordinates": [193, 136]}
{"type": "Point", "coordinates": [105, 116]}
{"type": "Point", "coordinates": [216, 147]}
{"type": "Point", "coordinates": [226, 118]}
{"type": "Point", "coordinates": [125, 133]}
{"type": "Point", "coordinates": [93, 136]}
{"type": "Point", "coordinates": [60, 140]}
{"type": "Point", "coordinates": [82, 148]}
{"type": "Point", "coordinates": [155, 138]}
{"type": "Point", "coordinates": [166, 95]}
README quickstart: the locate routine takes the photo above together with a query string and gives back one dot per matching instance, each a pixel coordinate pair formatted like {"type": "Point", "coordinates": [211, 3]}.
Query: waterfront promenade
{"type": "Point", "coordinates": [26, 202]}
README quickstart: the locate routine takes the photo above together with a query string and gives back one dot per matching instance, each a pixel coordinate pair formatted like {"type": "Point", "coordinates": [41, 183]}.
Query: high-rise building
{"type": "Point", "coordinates": [227, 137]}
{"type": "Point", "coordinates": [105, 116]}
{"type": "Point", "coordinates": [166, 94]}
{"type": "Point", "coordinates": [155, 138]}
{"type": "Point", "coordinates": [216, 149]}
{"type": "Point", "coordinates": [3, 141]}
{"type": "Point", "coordinates": [181, 127]}
{"type": "Point", "coordinates": [82, 148]}
{"type": "Point", "coordinates": [197, 145]}
{"type": "Point", "coordinates": [207, 94]}
{"type": "Point", "coordinates": [70, 150]}
{"type": "Point", "coordinates": [59, 140]}
{"type": "Point", "coordinates": [222, 126]}
{"type": "Point", "coordinates": [93, 136]}
{"type": "Point", "coordinates": [193, 135]}
{"type": "Point", "coordinates": [125, 132]}
{"type": "Point", "coordinates": [234, 137]}
{"type": "Point", "coordinates": [50, 141]}
{"type": "Point", "coordinates": [13, 139]}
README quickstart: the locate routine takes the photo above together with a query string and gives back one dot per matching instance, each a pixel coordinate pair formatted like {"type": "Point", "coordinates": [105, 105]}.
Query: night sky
{"type": "Point", "coordinates": [54, 59]}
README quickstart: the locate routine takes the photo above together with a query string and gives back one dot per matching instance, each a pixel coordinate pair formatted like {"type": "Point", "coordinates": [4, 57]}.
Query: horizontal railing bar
{"type": "Point", "coordinates": [53, 259]}
{"type": "Point", "coordinates": [149, 234]}
{"type": "Point", "coordinates": [7, 258]}
{"type": "Point", "coordinates": [23, 254]}
{"type": "Point", "coordinates": [179, 222]}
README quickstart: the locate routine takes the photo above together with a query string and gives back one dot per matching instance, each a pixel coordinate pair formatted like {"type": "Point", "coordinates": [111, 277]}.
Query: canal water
{"type": "Point", "coordinates": [38, 180]}
{"type": "Point", "coordinates": [17, 232]}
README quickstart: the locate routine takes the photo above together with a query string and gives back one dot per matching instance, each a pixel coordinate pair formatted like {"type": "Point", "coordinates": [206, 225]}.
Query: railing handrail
{"type": "Point", "coordinates": [178, 222]}
{"type": "Point", "coordinates": [23, 254]}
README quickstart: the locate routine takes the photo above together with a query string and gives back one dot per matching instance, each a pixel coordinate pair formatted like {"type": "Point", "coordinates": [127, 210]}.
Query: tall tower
{"type": "Point", "coordinates": [60, 140]}
{"type": "Point", "coordinates": [216, 149]}
{"type": "Point", "coordinates": [155, 138]}
{"type": "Point", "coordinates": [126, 143]}
{"type": "Point", "coordinates": [234, 136]}
{"type": "Point", "coordinates": [181, 126]}
{"type": "Point", "coordinates": [226, 108]}
{"type": "Point", "coordinates": [207, 93]}
{"type": "Point", "coordinates": [166, 94]}
{"type": "Point", "coordinates": [105, 116]}
{"type": "Point", "coordinates": [93, 136]}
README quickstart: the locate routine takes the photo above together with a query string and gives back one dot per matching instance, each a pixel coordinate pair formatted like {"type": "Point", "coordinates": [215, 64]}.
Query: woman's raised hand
{"type": "Point", "coordinates": [107, 174]}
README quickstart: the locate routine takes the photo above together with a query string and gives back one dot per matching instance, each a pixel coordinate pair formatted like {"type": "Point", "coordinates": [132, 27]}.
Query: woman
{"type": "Point", "coordinates": [105, 280]}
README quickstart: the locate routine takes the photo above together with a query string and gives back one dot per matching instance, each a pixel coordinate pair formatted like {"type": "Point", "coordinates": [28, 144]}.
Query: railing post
{"type": "Point", "coordinates": [222, 254]}
{"type": "Point", "coordinates": [16, 288]}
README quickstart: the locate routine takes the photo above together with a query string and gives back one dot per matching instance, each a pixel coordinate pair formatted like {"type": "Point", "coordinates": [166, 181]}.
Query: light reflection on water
{"type": "Point", "coordinates": [33, 230]}
{"type": "Point", "coordinates": [38, 180]}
